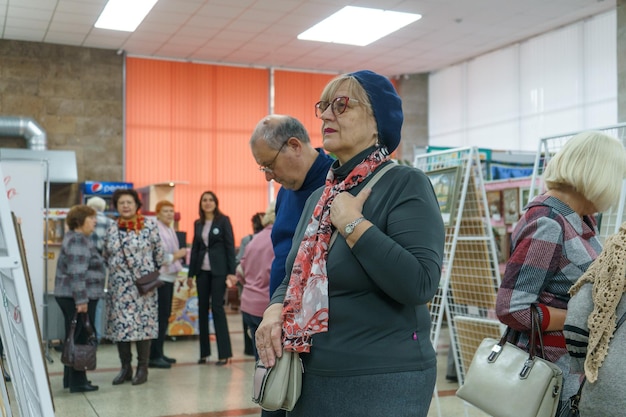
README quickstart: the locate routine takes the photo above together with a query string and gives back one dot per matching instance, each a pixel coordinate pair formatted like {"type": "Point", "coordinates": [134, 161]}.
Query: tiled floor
{"type": "Point", "coordinates": [189, 389]}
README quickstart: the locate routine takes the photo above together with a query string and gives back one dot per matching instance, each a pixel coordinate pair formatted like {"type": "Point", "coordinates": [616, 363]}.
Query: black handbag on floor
{"type": "Point", "coordinates": [81, 357]}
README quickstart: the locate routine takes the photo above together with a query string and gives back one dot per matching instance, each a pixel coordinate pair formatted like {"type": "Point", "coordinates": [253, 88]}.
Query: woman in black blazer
{"type": "Point", "coordinates": [212, 262]}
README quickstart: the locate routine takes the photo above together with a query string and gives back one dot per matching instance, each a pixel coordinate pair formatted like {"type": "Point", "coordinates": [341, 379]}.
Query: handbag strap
{"type": "Point", "coordinates": [72, 333]}
{"type": "Point", "coordinates": [377, 176]}
{"type": "Point", "coordinates": [535, 336]}
{"type": "Point", "coordinates": [86, 325]}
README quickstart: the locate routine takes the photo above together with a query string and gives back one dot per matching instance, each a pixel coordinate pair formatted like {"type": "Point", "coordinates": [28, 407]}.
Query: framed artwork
{"type": "Point", "coordinates": [524, 194]}
{"type": "Point", "coordinates": [494, 201]}
{"type": "Point", "coordinates": [510, 205]}
{"type": "Point", "coordinates": [445, 183]}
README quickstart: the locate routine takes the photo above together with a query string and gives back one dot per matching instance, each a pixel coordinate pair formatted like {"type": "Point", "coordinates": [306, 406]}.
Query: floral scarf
{"type": "Point", "coordinates": [305, 309]}
{"type": "Point", "coordinates": [135, 223]}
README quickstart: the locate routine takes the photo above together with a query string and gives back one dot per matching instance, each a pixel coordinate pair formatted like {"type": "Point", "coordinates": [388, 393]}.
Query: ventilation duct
{"type": "Point", "coordinates": [61, 164]}
{"type": "Point", "coordinates": [24, 127]}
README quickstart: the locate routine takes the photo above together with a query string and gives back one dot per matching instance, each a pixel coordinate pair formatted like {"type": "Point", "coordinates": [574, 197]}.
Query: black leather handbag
{"type": "Point", "coordinates": [81, 357]}
{"type": "Point", "coordinates": [148, 282]}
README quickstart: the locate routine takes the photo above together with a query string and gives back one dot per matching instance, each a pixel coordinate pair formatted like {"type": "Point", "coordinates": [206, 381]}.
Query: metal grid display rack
{"type": "Point", "coordinates": [470, 274]}
{"type": "Point", "coordinates": [610, 220]}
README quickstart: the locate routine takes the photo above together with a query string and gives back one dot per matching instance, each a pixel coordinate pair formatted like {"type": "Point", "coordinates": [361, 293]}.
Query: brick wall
{"type": "Point", "coordinates": [76, 95]}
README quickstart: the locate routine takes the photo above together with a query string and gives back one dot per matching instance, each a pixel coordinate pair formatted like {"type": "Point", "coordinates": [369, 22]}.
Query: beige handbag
{"type": "Point", "coordinates": [278, 387]}
{"type": "Point", "coordinates": [506, 381]}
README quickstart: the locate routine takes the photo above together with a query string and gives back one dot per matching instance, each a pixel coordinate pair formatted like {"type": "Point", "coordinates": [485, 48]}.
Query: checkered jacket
{"type": "Point", "coordinates": [551, 247]}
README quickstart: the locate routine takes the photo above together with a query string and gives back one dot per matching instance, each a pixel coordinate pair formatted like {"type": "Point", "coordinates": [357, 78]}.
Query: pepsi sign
{"type": "Point", "coordinates": [104, 188]}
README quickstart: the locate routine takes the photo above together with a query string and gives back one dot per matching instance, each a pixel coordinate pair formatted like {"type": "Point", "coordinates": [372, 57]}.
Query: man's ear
{"type": "Point", "coordinates": [295, 144]}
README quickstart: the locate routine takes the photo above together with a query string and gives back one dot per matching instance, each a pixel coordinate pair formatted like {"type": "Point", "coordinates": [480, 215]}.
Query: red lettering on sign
{"type": "Point", "coordinates": [11, 192]}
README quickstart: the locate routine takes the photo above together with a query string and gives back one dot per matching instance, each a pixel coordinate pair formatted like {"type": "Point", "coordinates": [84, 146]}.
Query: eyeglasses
{"type": "Point", "coordinates": [268, 169]}
{"type": "Point", "coordinates": [338, 106]}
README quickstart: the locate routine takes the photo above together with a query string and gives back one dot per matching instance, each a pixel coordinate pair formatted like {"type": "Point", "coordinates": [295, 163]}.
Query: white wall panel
{"type": "Point", "coordinates": [530, 130]}
{"type": "Point", "coordinates": [600, 59]}
{"type": "Point", "coordinates": [602, 114]}
{"type": "Point", "coordinates": [563, 68]}
{"type": "Point", "coordinates": [558, 82]}
{"type": "Point", "coordinates": [562, 121]}
{"type": "Point", "coordinates": [453, 139]}
{"type": "Point", "coordinates": [494, 136]}
{"type": "Point", "coordinates": [492, 88]}
{"type": "Point", "coordinates": [446, 100]}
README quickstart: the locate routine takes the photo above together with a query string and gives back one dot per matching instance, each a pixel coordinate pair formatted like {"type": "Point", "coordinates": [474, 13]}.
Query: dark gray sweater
{"type": "Point", "coordinates": [379, 321]}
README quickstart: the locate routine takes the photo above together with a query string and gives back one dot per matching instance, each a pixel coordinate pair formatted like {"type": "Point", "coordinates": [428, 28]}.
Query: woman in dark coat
{"type": "Point", "coordinates": [212, 262]}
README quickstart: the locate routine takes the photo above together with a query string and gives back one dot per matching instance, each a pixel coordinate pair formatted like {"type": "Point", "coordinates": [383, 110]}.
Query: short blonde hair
{"type": "Point", "coordinates": [97, 203]}
{"type": "Point", "coordinates": [270, 214]}
{"type": "Point", "coordinates": [592, 163]}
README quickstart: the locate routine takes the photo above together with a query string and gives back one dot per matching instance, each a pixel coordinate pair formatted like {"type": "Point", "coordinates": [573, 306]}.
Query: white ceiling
{"type": "Point", "coordinates": [263, 32]}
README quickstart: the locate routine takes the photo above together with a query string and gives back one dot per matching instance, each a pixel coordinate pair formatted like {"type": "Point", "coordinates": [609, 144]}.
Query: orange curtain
{"type": "Point", "coordinates": [192, 123]}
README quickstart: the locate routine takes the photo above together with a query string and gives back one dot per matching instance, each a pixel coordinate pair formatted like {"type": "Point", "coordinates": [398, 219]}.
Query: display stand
{"type": "Point", "coordinates": [19, 324]}
{"type": "Point", "coordinates": [470, 275]}
{"type": "Point", "coordinates": [506, 200]}
{"type": "Point", "coordinates": [611, 220]}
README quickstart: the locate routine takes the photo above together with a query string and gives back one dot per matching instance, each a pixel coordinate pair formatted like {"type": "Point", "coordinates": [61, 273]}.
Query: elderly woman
{"type": "Point", "coordinates": [596, 347]}
{"type": "Point", "coordinates": [173, 254]}
{"type": "Point", "coordinates": [556, 240]}
{"type": "Point", "coordinates": [357, 310]}
{"type": "Point", "coordinates": [254, 274]}
{"type": "Point", "coordinates": [79, 283]}
{"type": "Point", "coordinates": [132, 248]}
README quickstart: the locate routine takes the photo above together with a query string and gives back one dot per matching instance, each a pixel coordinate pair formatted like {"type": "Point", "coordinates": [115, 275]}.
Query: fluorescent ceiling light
{"type": "Point", "coordinates": [358, 26]}
{"type": "Point", "coordinates": [124, 15]}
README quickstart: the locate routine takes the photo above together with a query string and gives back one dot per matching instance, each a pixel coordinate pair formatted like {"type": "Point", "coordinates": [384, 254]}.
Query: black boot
{"type": "Point", "coordinates": [78, 382]}
{"type": "Point", "coordinates": [126, 373]}
{"type": "Point", "coordinates": [143, 356]}
{"type": "Point", "coordinates": [66, 376]}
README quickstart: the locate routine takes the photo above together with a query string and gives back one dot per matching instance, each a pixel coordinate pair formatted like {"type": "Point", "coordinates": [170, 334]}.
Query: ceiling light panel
{"type": "Point", "coordinates": [358, 26]}
{"type": "Point", "coordinates": [124, 15]}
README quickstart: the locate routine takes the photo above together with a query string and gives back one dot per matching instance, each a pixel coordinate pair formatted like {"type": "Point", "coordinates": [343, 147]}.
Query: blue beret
{"type": "Point", "coordinates": [386, 104]}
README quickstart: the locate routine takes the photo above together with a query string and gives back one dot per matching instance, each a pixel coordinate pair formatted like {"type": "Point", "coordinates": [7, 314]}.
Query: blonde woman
{"type": "Point", "coordinates": [556, 240]}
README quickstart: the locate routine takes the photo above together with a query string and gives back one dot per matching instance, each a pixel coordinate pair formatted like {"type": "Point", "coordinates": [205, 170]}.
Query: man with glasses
{"type": "Point", "coordinates": [281, 146]}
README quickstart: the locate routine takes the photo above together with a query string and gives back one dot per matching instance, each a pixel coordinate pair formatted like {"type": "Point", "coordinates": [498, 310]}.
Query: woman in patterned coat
{"type": "Point", "coordinates": [133, 248]}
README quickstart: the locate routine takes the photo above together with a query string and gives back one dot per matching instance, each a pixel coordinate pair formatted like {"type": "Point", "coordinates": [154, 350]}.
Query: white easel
{"type": "Point", "coordinates": [470, 274]}
{"type": "Point", "coordinates": [19, 330]}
